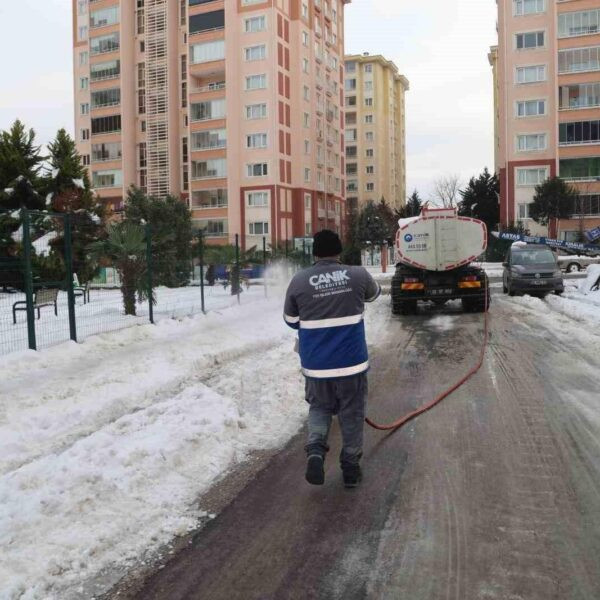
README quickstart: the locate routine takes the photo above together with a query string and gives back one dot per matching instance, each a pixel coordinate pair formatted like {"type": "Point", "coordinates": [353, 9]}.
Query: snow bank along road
{"type": "Point", "coordinates": [105, 448]}
{"type": "Point", "coordinates": [494, 495]}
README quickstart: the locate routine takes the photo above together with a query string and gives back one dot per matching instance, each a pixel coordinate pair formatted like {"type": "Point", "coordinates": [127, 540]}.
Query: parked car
{"type": "Point", "coordinates": [574, 263]}
{"type": "Point", "coordinates": [531, 269]}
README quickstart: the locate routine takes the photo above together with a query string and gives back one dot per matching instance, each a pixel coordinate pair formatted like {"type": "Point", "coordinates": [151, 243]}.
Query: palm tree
{"type": "Point", "coordinates": [125, 249]}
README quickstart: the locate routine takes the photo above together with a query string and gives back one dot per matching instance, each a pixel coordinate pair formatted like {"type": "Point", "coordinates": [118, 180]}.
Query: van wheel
{"type": "Point", "coordinates": [573, 267]}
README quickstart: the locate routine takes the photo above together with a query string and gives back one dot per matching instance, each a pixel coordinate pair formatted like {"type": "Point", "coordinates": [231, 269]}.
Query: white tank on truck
{"type": "Point", "coordinates": [434, 254]}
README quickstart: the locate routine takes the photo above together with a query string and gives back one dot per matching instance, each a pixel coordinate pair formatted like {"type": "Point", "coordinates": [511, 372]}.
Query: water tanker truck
{"type": "Point", "coordinates": [434, 256]}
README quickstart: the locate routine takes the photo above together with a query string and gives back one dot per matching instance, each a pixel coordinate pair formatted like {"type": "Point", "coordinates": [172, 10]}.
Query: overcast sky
{"type": "Point", "coordinates": [440, 46]}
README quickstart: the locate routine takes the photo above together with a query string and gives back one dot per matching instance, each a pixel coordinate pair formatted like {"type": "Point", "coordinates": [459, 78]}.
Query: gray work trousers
{"type": "Point", "coordinates": [345, 397]}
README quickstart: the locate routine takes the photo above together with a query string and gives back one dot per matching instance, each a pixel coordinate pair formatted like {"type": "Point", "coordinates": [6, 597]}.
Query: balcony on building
{"type": "Point", "coordinates": [206, 85]}
{"type": "Point", "coordinates": [207, 59]}
{"type": "Point", "coordinates": [213, 199]}
{"type": "Point", "coordinates": [212, 228]}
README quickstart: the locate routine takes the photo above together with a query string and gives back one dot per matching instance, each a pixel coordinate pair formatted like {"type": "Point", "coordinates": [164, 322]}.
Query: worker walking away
{"type": "Point", "coordinates": [326, 304]}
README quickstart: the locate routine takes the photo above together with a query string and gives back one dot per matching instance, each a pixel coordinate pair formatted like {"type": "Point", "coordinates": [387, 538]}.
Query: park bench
{"type": "Point", "coordinates": [82, 291]}
{"type": "Point", "coordinates": [41, 299]}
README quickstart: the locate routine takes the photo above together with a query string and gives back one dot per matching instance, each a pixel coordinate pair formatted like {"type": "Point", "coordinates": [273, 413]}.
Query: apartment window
{"type": "Point", "coordinates": [84, 134]}
{"type": "Point", "coordinates": [305, 38]}
{"type": "Point", "coordinates": [248, 2]}
{"type": "Point", "coordinates": [257, 169]}
{"type": "Point", "coordinates": [82, 7]}
{"type": "Point", "coordinates": [105, 70]}
{"type": "Point", "coordinates": [307, 175]}
{"type": "Point", "coordinates": [206, 111]}
{"type": "Point", "coordinates": [184, 100]}
{"type": "Point", "coordinates": [306, 147]}
{"type": "Point", "coordinates": [141, 102]}
{"type": "Point", "coordinates": [83, 33]}
{"type": "Point", "coordinates": [529, 7]}
{"type": "Point", "coordinates": [531, 108]}
{"type": "Point", "coordinates": [255, 24]}
{"type": "Point", "coordinates": [110, 124]}
{"type": "Point", "coordinates": [256, 140]}
{"type": "Point", "coordinates": [258, 199]}
{"type": "Point", "coordinates": [370, 170]}
{"type": "Point", "coordinates": [368, 86]}
{"type": "Point", "coordinates": [305, 67]}
{"type": "Point", "coordinates": [104, 17]}
{"type": "Point", "coordinates": [255, 52]}
{"type": "Point", "coordinates": [350, 85]}
{"type": "Point", "coordinates": [141, 21]}
{"type": "Point", "coordinates": [209, 21]}
{"type": "Point", "coordinates": [102, 98]}
{"type": "Point", "coordinates": [143, 155]}
{"type": "Point", "coordinates": [307, 201]}
{"type": "Point", "coordinates": [84, 108]}
{"type": "Point", "coordinates": [351, 169]}
{"type": "Point", "coordinates": [579, 132]}
{"type": "Point", "coordinates": [107, 179]}
{"type": "Point", "coordinates": [306, 93]}
{"type": "Point", "coordinates": [308, 229]}
{"type": "Point", "coordinates": [143, 125]}
{"type": "Point", "coordinates": [305, 11]}
{"type": "Point", "coordinates": [523, 211]}
{"type": "Point", "coordinates": [573, 24]}
{"type": "Point", "coordinates": [260, 228]}
{"type": "Point", "coordinates": [256, 111]}
{"type": "Point", "coordinates": [351, 101]}
{"type": "Point", "coordinates": [531, 74]}
{"type": "Point", "coordinates": [368, 101]}
{"type": "Point", "coordinates": [256, 82]}
{"type": "Point", "coordinates": [104, 43]}
{"type": "Point", "coordinates": [306, 119]}
{"type": "Point", "coordinates": [104, 152]}
{"type": "Point", "coordinates": [85, 160]}
{"type": "Point", "coordinates": [531, 142]}
{"type": "Point", "coordinates": [531, 177]}
{"type": "Point", "coordinates": [207, 169]}
{"type": "Point", "coordinates": [370, 187]}
{"type": "Point", "coordinates": [370, 136]}
{"type": "Point", "coordinates": [368, 68]}
{"type": "Point", "coordinates": [588, 204]}
{"type": "Point", "coordinates": [212, 228]}
{"type": "Point", "coordinates": [207, 52]}
{"type": "Point", "coordinates": [576, 60]}
{"type": "Point", "coordinates": [84, 83]}
{"type": "Point", "coordinates": [580, 168]}
{"type": "Point", "coordinates": [216, 198]}
{"type": "Point", "coordinates": [209, 140]}
{"type": "Point", "coordinates": [83, 58]}
{"type": "Point", "coordinates": [584, 95]}
{"type": "Point", "coordinates": [368, 118]}
{"type": "Point", "coordinates": [370, 153]}
{"type": "Point", "coordinates": [185, 154]}
{"type": "Point", "coordinates": [526, 41]}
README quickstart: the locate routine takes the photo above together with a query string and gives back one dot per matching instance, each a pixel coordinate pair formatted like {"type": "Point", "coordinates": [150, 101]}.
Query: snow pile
{"type": "Point", "coordinates": [591, 282]}
{"type": "Point", "coordinates": [107, 447]}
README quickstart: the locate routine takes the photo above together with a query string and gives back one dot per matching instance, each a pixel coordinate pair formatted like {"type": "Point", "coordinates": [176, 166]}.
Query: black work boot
{"type": "Point", "coordinates": [315, 472]}
{"type": "Point", "coordinates": [352, 475]}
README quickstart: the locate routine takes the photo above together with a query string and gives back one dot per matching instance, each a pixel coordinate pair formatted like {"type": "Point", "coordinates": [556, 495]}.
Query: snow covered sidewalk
{"type": "Point", "coordinates": [106, 445]}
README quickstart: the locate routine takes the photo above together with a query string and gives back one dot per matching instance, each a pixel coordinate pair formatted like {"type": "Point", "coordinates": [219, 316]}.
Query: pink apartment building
{"type": "Point", "coordinates": [224, 103]}
{"type": "Point", "coordinates": [547, 106]}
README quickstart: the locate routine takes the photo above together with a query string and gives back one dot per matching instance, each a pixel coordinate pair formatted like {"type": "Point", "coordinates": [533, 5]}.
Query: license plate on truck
{"type": "Point", "coordinates": [440, 292]}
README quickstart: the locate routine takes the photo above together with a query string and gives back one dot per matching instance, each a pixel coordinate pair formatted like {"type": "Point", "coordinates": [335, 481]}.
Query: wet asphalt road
{"type": "Point", "coordinates": [493, 495]}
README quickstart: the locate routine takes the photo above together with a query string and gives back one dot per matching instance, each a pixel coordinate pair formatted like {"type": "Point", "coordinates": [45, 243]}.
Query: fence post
{"type": "Point", "coordinates": [201, 249]}
{"type": "Point", "coordinates": [69, 269]}
{"type": "Point", "coordinates": [237, 266]}
{"type": "Point", "coordinates": [304, 260]}
{"type": "Point", "coordinates": [28, 278]}
{"type": "Point", "coordinates": [265, 264]}
{"type": "Point", "coordinates": [149, 270]}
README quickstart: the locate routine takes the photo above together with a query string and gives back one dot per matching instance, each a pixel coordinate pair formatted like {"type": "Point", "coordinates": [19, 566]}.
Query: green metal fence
{"type": "Point", "coordinates": [59, 283]}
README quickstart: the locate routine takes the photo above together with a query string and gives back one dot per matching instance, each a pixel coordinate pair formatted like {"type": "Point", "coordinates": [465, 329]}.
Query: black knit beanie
{"type": "Point", "coordinates": [327, 243]}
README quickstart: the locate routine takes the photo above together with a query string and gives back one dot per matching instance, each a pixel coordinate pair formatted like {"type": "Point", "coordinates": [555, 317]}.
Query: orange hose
{"type": "Point", "coordinates": [419, 411]}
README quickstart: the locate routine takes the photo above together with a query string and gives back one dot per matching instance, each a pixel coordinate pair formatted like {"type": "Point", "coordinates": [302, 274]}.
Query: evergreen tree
{"type": "Point", "coordinates": [375, 224]}
{"type": "Point", "coordinates": [351, 254]}
{"type": "Point", "coordinates": [412, 208]}
{"type": "Point", "coordinates": [480, 199]}
{"type": "Point", "coordinates": [172, 234]}
{"type": "Point", "coordinates": [554, 199]}
{"type": "Point", "coordinates": [19, 156]}
{"type": "Point", "coordinates": [67, 190]}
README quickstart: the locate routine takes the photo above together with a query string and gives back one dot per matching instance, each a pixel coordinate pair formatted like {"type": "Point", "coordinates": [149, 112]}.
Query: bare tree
{"type": "Point", "coordinates": [445, 190]}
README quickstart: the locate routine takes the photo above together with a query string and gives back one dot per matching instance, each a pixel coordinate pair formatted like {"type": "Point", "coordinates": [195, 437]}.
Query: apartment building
{"type": "Point", "coordinates": [236, 106]}
{"type": "Point", "coordinates": [547, 115]}
{"type": "Point", "coordinates": [375, 131]}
